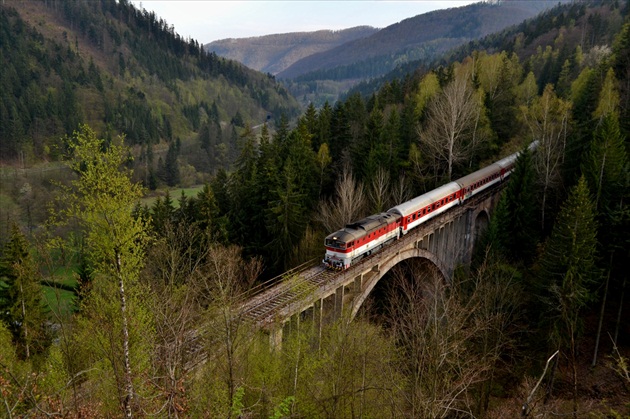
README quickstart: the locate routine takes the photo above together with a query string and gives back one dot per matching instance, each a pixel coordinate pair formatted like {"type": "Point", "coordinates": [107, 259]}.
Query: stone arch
{"type": "Point", "coordinates": [386, 266]}
{"type": "Point", "coordinates": [482, 221]}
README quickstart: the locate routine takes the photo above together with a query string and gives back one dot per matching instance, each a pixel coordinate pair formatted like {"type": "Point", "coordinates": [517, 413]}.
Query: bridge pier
{"type": "Point", "coordinates": [275, 336]}
{"type": "Point", "coordinates": [338, 302]}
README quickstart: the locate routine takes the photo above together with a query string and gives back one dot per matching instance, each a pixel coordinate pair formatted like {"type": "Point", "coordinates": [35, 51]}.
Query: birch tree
{"type": "Point", "coordinates": [451, 133]}
{"type": "Point", "coordinates": [101, 199]}
{"type": "Point", "coordinates": [348, 204]}
{"type": "Point", "coordinates": [547, 119]}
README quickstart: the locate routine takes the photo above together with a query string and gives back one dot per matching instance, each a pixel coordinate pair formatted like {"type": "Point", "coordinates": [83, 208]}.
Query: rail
{"type": "Point", "coordinates": [289, 291]}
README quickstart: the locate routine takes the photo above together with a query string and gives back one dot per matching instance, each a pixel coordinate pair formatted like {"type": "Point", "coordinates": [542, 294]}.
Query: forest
{"type": "Point", "coordinates": [122, 70]}
{"type": "Point", "coordinates": [111, 306]}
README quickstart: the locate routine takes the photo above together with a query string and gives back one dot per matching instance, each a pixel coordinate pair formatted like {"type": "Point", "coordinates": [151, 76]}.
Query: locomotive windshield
{"type": "Point", "coordinates": [334, 242]}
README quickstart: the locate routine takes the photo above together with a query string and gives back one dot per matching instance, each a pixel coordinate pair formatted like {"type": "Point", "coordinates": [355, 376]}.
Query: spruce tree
{"type": "Point", "coordinates": [568, 272]}
{"type": "Point", "coordinates": [567, 265]}
{"type": "Point", "coordinates": [21, 295]}
{"type": "Point", "coordinates": [518, 229]}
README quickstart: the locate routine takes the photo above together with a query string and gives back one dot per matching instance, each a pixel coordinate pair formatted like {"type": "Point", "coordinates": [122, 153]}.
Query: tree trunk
{"type": "Point", "coordinates": [24, 323]}
{"type": "Point", "coordinates": [601, 317]}
{"type": "Point", "coordinates": [123, 310]}
{"type": "Point", "coordinates": [623, 289]}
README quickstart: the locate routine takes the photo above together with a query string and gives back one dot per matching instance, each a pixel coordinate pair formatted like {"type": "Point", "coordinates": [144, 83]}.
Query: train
{"type": "Point", "coordinates": [361, 238]}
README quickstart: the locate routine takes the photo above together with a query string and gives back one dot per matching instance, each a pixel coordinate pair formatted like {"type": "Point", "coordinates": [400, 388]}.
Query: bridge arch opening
{"type": "Point", "coordinates": [414, 266]}
{"type": "Point", "coordinates": [405, 283]}
{"type": "Point", "coordinates": [482, 221]}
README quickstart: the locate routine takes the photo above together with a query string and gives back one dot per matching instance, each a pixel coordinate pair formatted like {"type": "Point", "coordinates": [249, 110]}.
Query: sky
{"type": "Point", "coordinates": [211, 20]}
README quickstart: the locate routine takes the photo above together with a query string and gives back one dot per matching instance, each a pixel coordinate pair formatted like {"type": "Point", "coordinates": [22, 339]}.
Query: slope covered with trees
{"type": "Point", "coordinates": [122, 70]}
{"type": "Point", "coordinates": [534, 326]}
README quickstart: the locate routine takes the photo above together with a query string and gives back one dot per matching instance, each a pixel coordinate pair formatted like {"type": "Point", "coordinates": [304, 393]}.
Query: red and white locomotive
{"type": "Point", "coordinates": [363, 237]}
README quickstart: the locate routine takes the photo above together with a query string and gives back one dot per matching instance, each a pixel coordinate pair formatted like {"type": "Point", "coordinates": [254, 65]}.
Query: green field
{"type": "Point", "coordinates": [175, 194]}
{"type": "Point", "coordinates": [59, 300]}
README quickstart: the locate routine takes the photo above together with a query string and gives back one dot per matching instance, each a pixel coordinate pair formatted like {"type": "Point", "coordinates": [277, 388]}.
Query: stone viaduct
{"type": "Point", "coordinates": [318, 296]}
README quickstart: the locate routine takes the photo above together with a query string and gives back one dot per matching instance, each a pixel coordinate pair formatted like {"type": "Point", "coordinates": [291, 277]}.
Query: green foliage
{"type": "Point", "coordinates": [126, 71]}
{"type": "Point", "coordinates": [102, 200]}
{"type": "Point", "coordinates": [606, 164]}
{"type": "Point", "coordinates": [114, 327]}
{"type": "Point", "coordinates": [518, 230]}
{"type": "Point", "coordinates": [283, 410]}
{"type": "Point", "coordinates": [21, 306]}
{"type": "Point", "coordinates": [568, 265]}
{"type": "Point", "coordinates": [428, 88]}
{"type": "Point", "coordinates": [237, 402]}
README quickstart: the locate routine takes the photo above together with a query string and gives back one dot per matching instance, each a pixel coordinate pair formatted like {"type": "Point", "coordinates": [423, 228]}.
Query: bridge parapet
{"type": "Point", "coordinates": [320, 295]}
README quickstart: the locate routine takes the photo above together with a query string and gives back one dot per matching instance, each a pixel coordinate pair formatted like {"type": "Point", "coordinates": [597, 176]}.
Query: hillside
{"type": "Point", "coordinates": [122, 70]}
{"type": "Point", "coordinates": [421, 36]}
{"type": "Point", "coordinates": [274, 53]}
{"type": "Point", "coordinates": [110, 309]}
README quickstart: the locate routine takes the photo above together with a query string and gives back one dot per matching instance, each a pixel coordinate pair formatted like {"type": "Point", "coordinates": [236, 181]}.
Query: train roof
{"type": "Point", "coordinates": [362, 227]}
{"type": "Point", "coordinates": [478, 175]}
{"type": "Point", "coordinates": [423, 200]}
{"type": "Point", "coordinates": [507, 161]}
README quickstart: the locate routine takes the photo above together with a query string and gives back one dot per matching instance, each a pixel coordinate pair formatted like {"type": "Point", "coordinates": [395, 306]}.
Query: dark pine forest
{"type": "Point", "coordinates": [119, 294]}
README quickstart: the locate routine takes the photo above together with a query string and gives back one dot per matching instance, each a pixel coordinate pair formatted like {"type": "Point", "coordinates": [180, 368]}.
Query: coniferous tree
{"type": "Point", "coordinates": [585, 92]}
{"type": "Point", "coordinates": [324, 117]}
{"type": "Point", "coordinates": [517, 228]}
{"type": "Point", "coordinates": [244, 200]}
{"type": "Point", "coordinates": [21, 295]}
{"type": "Point", "coordinates": [568, 272]}
{"type": "Point", "coordinates": [368, 153]}
{"type": "Point", "coordinates": [621, 66]}
{"type": "Point", "coordinates": [168, 171]}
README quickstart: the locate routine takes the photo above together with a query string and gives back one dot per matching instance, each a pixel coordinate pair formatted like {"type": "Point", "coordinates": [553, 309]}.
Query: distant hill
{"type": "Point", "coordinates": [320, 66]}
{"type": "Point", "coordinates": [274, 53]}
{"type": "Point", "coordinates": [422, 36]}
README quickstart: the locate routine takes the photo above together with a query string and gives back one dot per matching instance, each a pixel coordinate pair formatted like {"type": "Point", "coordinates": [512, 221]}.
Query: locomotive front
{"type": "Point", "coordinates": [338, 254]}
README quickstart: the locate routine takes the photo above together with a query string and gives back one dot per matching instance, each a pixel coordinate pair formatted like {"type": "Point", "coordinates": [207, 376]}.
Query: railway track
{"type": "Point", "coordinates": [261, 305]}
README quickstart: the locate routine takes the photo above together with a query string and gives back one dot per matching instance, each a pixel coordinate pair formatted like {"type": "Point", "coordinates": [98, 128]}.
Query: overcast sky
{"type": "Point", "coordinates": [208, 21]}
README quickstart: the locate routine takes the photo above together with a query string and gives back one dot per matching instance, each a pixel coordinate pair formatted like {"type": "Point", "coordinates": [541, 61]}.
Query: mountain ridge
{"type": "Point", "coordinates": [454, 25]}
{"type": "Point", "coordinates": [275, 52]}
